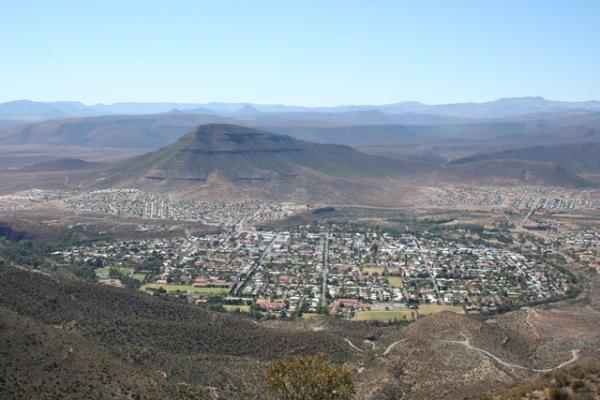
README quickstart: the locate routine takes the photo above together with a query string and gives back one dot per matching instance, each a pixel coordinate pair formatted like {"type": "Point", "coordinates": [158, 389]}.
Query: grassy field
{"type": "Point", "coordinates": [101, 271]}
{"type": "Point", "coordinates": [373, 271]}
{"type": "Point", "coordinates": [186, 288]}
{"type": "Point", "coordinates": [385, 316]}
{"type": "Point", "coordinates": [241, 308]}
{"type": "Point", "coordinates": [139, 277]}
{"type": "Point", "coordinates": [125, 271]}
{"type": "Point", "coordinates": [426, 309]}
{"type": "Point", "coordinates": [395, 282]}
{"type": "Point", "coordinates": [308, 315]}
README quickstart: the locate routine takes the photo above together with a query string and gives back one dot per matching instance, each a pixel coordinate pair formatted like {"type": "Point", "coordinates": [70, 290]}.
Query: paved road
{"type": "Point", "coordinates": [325, 269]}
{"type": "Point", "coordinates": [430, 272]}
{"type": "Point", "coordinates": [363, 206]}
{"type": "Point", "coordinates": [530, 213]}
{"type": "Point", "coordinates": [240, 285]}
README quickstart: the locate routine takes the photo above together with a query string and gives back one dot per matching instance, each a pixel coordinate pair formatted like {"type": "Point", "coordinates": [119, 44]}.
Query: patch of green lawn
{"type": "Point", "coordinates": [186, 289]}
{"type": "Point", "coordinates": [102, 271]}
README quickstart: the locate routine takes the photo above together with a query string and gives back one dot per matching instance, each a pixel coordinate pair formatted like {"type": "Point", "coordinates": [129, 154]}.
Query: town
{"type": "Point", "coordinates": [134, 203]}
{"type": "Point", "coordinates": [519, 197]}
{"type": "Point", "coordinates": [314, 270]}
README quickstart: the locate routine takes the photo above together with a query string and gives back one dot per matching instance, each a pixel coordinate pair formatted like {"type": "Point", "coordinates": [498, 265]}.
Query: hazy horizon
{"type": "Point", "coordinates": [291, 105]}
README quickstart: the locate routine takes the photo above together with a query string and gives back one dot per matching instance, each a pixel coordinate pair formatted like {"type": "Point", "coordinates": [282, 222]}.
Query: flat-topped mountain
{"type": "Point", "coordinates": [239, 160]}
{"type": "Point", "coordinates": [240, 153]}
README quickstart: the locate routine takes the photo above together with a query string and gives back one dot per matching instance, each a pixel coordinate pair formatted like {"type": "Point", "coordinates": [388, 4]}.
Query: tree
{"type": "Point", "coordinates": [322, 308]}
{"type": "Point", "coordinates": [309, 378]}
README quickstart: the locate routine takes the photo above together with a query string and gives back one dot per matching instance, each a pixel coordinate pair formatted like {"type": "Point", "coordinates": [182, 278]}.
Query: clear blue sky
{"type": "Point", "coordinates": [299, 52]}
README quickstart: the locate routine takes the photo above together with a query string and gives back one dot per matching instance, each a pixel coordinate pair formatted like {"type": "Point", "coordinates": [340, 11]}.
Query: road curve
{"type": "Point", "coordinates": [353, 346]}
{"type": "Point", "coordinates": [466, 343]}
{"type": "Point", "coordinates": [385, 352]}
{"type": "Point", "coordinates": [391, 346]}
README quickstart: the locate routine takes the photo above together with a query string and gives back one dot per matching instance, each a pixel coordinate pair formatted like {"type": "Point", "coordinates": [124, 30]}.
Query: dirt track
{"type": "Point", "coordinates": [466, 343]}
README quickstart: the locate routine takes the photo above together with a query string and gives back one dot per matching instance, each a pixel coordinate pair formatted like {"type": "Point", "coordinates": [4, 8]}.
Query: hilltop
{"type": "Point", "coordinates": [246, 161]}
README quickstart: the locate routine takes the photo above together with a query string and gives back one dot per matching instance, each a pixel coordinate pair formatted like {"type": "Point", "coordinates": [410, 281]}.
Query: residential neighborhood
{"type": "Point", "coordinates": [343, 273]}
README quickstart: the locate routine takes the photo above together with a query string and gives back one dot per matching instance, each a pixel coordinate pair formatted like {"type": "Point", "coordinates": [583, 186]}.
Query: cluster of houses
{"type": "Point", "coordinates": [26, 199]}
{"type": "Point", "coordinates": [314, 270]}
{"type": "Point", "coordinates": [520, 197]}
{"type": "Point", "coordinates": [584, 244]}
{"type": "Point", "coordinates": [136, 203]}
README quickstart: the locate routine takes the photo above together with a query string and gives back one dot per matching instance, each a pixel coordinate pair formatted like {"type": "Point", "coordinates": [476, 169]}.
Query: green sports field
{"type": "Point", "coordinates": [101, 271]}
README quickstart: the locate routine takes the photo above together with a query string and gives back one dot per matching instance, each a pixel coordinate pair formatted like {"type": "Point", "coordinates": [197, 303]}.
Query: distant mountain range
{"type": "Point", "coordinates": [24, 110]}
{"type": "Point", "coordinates": [305, 155]}
{"type": "Point", "coordinates": [230, 161]}
{"type": "Point", "coordinates": [577, 157]}
{"type": "Point", "coordinates": [513, 172]}
{"type": "Point", "coordinates": [450, 140]}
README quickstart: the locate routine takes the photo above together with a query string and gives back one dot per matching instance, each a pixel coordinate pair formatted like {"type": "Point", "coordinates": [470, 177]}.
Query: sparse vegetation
{"type": "Point", "coordinates": [309, 378]}
{"type": "Point", "coordinates": [152, 336]}
{"type": "Point", "coordinates": [386, 316]}
{"type": "Point", "coordinates": [573, 383]}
